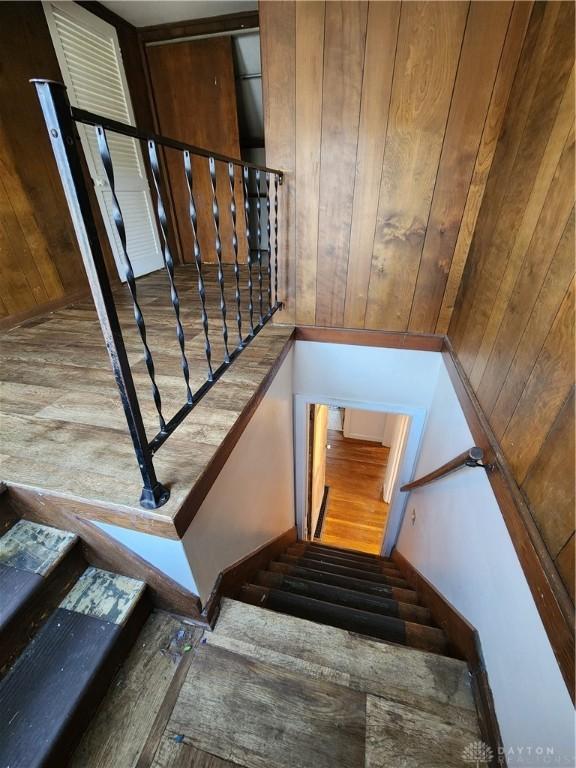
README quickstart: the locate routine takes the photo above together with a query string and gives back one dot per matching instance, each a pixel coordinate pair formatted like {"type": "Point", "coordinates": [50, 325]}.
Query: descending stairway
{"type": "Point", "coordinates": [65, 628]}
{"type": "Point", "coordinates": [348, 589]}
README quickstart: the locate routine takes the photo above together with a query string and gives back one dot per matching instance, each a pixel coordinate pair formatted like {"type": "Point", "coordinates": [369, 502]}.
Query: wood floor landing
{"type": "Point", "coordinates": [63, 427]}
{"type": "Point", "coordinates": [270, 691]}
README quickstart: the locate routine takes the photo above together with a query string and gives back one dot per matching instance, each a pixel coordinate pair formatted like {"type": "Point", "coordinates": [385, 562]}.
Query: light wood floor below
{"type": "Point", "coordinates": [355, 515]}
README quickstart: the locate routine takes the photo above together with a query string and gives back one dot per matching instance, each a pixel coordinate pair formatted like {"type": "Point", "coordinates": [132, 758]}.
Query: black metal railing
{"type": "Point", "coordinates": [261, 288]}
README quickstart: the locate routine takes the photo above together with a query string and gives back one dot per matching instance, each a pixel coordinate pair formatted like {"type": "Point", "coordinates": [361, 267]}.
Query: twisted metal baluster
{"type": "Point", "coordinates": [235, 247]}
{"type": "Point", "coordinates": [268, 231]}
{"type": "Point", "coordinates": [218, 243]}
{"type": "Point", "coordinates": [104, 150]}
{"type": "Point", "coordinates": [198, 262]}
{"type": "Point", "coordinates": [169, 264]}
{"type": "Point", "coordinates": [246, 179]}
{"type": "Point", "coordinates": [259, 239]}
{"type": "Point", "coordinates": [275, 239]}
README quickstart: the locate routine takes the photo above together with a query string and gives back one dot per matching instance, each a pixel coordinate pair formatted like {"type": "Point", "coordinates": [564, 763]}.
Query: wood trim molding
{"type": "Point", "coordinates": [231, 579]}
{"type": "Point", "coordinates": [11, 321]}
{"type": "Point", "coordinates": [49, 504]}
{"type": "Point", "coordinates": [103, 551]}
{"type": "Point", "coordinates": [213, 25]}
{"type": "Point", "coordinates": [552, 600]}
{"type": "Point", "coordinates": [464, 640]}
{"type": "Point", "coordinates": [199, 491]}
{"type": "Point", "coordinates": [425, 342]}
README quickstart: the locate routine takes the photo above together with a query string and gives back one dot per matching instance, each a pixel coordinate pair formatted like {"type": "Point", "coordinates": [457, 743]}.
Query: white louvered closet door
{"type": "Point", "coordinates": [91, 64]}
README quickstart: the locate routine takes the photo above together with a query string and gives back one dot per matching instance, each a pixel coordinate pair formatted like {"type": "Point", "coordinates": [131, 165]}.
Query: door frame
{"type": "Point", "coordinates": [418, 416]}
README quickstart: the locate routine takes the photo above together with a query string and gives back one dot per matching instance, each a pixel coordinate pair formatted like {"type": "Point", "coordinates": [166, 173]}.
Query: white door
{"type": "Point", "coordinates": [91, 64]}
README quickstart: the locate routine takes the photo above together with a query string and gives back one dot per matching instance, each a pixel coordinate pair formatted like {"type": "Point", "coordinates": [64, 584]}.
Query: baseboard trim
{"type": "Point", "coordinates": [424, 342]}
{"type": "Point", "coordinates": [552, 600]}
{"type": "Point", "coordinates": [12, 321]}
{"type": "Point", "coordinates": [231, 579]}
{"type": "Point", "coordinates": [464, 641]}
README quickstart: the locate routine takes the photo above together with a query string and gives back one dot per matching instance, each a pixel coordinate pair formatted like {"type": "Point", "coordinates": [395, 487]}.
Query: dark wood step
{"type": "Point", "coordinates": [354, 553]}
{"type": "Point", "coordinates": [366, 565]}
{"type": "Point", "coordinates": [346, 597]}
{"type": "Point", "coordinates": [49, 695]}
{"type": "Point", "coordinates": [360, 585]}
{"type": "Point", "coordinates": [343, 570]}
{"type": "Point", "coordinates": [363, 622]}
{"type": "Point", "coordinates": [29, 598]}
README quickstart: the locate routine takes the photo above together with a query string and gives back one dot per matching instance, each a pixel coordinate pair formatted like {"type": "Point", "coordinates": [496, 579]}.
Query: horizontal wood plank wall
{"type": "Point", "coordinates": [385, 117]}
{"type": "Point", "coordinates": [513, 326]}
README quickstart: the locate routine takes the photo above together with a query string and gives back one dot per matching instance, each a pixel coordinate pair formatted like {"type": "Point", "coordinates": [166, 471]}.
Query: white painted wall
{"type": "Point", "coordinates": [365, 374]}
{"type": "Point", "coordinates": [460, 542]}
{"type": "Point", "coordinates": [252, 500]}
{"type": "Point", "coordinates": [168, 555]}
{"type": "Point", "coordinates": [395, 381]}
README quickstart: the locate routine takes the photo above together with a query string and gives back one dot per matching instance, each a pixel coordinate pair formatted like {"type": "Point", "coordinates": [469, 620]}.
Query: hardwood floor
{"type": "Point", "coordinates": [355, 515]}
{"type": "Point", "coordinates": [63, 427]}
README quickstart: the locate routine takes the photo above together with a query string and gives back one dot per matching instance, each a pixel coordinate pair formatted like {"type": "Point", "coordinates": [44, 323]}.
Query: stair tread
{"type": "Point", "coordinates": [315, 544]}
{"type": "Point", "coordinates": [50, 683]}
{"type": "Point", "coordinates": [428, 681]}
{"type": "Point", "coordinates": [378, 625]}
{"type": "Point", "coordinates": [368, 587]}
{"type": "Point", "coordinates": [343, 596]}
{"type": "Point", "coordinates": [367, 575]}
{"type": "Point", "coordinates": [375, 566]}
{"type": "Point", "coordinates": [46, 685]}
{"type": "Point", "coordinates": [35, 548]}
{"type": "Point", "coordinates": [104, 595]}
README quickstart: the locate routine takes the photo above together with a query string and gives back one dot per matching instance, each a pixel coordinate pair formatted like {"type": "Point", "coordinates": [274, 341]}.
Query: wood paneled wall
{"type": "Point", "coordinates": [385, 116]}
{"type": "Point", "coordinates": [39, 261]}
{"type": "Point", "coordinates": [513, 325]}
{"type": "Point", "coordinates": [429, 150]}
{"type": "Point", "coordinates": [40, 265]}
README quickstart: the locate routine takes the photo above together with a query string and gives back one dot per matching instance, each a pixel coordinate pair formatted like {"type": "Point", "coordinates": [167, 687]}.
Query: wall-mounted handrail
{"type": "Point", "coordinates": [473, 457]}
{"type": "Point", "coordinates": [61, 121]}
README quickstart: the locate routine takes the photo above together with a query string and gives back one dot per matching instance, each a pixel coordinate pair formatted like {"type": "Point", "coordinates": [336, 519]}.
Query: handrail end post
{"type": "Point", "coordinates": [154, 497]}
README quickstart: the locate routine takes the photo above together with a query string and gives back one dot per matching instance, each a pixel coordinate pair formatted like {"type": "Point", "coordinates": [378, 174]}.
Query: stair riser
{"type": "Point", "coordinates": [345, 571]}
{"type": "Point", "coordinates": [384, 568]}
{"type": "Point", "coordinates": [343, 552]}
{"type": "Point", "coordinates": [344, 597]}
{"type": "Point", "coordinates": [364, 623]}
{"type": "Point", "coordinates": [370, 588]}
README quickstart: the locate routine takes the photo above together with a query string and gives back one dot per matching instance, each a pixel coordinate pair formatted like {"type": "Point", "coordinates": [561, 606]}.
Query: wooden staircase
{"type": "Point", "coordinates": [351, 590]}
{"type": "Point", "coordinates": [65, 628]}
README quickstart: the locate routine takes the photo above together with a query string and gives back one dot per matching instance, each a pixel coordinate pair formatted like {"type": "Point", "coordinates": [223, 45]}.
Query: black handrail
{"type": "Point", "coordinates": [61, 119]}
{"type": "Point", "coordinates": [473, 457]}
{"type": "Point", "coordinates": [89, 118]}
